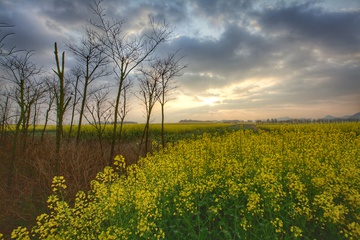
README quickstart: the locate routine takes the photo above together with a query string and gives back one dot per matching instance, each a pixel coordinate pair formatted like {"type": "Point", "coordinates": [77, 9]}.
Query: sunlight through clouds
{"type": "Point", "coordinates": [246, 55]}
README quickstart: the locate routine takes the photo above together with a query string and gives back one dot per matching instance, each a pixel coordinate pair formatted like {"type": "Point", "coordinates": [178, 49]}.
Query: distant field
{"type": "Point", "coordinates": [133, 131]}
{"type": "Point", "coordinates": [130, 132]}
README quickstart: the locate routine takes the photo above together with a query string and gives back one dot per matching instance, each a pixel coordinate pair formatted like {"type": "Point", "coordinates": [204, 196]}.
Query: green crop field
{"type": "Point", "coordinates": [278, 182]}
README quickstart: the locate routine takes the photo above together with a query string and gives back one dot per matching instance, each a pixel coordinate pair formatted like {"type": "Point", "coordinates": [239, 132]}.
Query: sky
{"type": "Point", "coordinates": [247, 59]}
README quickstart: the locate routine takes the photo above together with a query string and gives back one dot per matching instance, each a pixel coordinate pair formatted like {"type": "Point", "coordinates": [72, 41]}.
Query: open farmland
{"type": "Point", "coordinates": [33, 164]}
{"type": "Point", "coordinates": [280, 182]}
{"type": "Point", "coordinates": [173, 131]}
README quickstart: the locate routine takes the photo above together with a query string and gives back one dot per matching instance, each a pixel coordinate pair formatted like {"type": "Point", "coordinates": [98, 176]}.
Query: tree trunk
{"type": "Point", "coordinates": [115, 120]}
{"type": "Point", "coordinates": [46, 121]}
{"type": "Point", "coordinates": [73, 107]}
{"type": "Point", "coordinates": [145, 135]}
{"type": "Point", "coordinates": [60, 108]}
{"type": "Point", "coordinates": [83, 104]}
{"type": "Point", "coordinates": [162, 122]}
{"type": "Point", "coordinates": [4, 118]}
{"type": "Point", "coordinates": [34, 121]}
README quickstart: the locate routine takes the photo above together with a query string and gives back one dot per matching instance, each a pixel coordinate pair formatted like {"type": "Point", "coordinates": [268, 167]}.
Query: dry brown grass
{"type": "Point", "coordinates": [79, 164]}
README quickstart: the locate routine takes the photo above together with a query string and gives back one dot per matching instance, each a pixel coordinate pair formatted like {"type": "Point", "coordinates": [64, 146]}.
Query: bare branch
{"type": "Point", "coordinates": [2, 39]}
{"type": "Point", "coordinates": [169, 68]}
{"type": "Point", "coordinates": [93, 62]}
{"type": "Point", "coordinates": [166, 70]}
{"type": "Point", "coordinates": [126, 51]}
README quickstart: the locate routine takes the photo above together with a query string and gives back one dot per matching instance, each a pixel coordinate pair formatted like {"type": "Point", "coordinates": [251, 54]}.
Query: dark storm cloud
{"type": "Point", "coordinates": [137, 13]}
{"type": "Point", "coordinates": [38, 24]}
{"type": "Point", "coordinates": [220, 11]}
{"type": "Point", "coordinates": [235, 50]}
{"type": "Point", "coordinates": [67, 12]}
{"type": "Point", "coordinates": [175, 12]}
{"type": "Point", "coordinates": [338, 81]}
{"type": "Point", "coordinates": [323, 46]}
{"type": "Point", "coordinates": [307, 23]}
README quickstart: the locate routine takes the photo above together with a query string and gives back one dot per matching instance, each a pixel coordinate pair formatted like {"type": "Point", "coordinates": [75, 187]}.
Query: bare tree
{"type": "Point", "coordinates": [25, 89]}
{"type": "Point", "coordinates": [76, 75]}
{"type": "Point", "coordinates": [124, 104]}
{"type": "Point", "coordinates": [92, 65]}
{"type": "Point", "coordinates": [127, 51]}
{"type": "Point", "coordinates": [149, 93]}
{"type": "Point", "coordinates": [35, 116]}
{"type": "Point", "coordinates": [25, 86]}
{"type": "Point", "coordinates": [168, 69]}
{"type": "Point", "coordinates": [99, 114]}
{"type": "Point", "coordinates": [49, 101]}
{"type": "Point", "coordinates": [62, 102]}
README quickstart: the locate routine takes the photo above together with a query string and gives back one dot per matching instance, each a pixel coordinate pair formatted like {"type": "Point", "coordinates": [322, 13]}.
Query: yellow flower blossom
{"type": "Point", "coordinates": [297, 232]}
{"type": "Point", "coordinates": [244, 185]}
{"type": "Point", "coordinates": [20, 233]}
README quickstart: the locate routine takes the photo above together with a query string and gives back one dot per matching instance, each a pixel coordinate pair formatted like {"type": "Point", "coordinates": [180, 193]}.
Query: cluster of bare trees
{"type": "Point", "coordinates": [30, 95]}
{"type": "Point", "coordinates": [25, 90]}
{"type": "Point", "coordinates": [156, 81]}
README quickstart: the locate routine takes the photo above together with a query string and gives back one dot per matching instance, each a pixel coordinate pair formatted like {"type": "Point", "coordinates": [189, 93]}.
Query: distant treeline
{"type": "Point", "coordinates": [275, 120]}
{"type": "Point", "coordinates": [209, 121]}
{"type": "Point", "coordinates": [308, 120]}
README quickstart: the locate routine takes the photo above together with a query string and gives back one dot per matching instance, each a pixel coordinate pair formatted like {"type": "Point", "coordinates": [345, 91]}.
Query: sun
{"type": "Point", "coordinates": [210, 101]}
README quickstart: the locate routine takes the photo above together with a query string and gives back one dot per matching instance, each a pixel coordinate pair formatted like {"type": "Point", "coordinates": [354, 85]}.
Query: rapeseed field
{"type": "Point", "coordinates": [280, 182]}
{"type": "Point", "coordinates": [173, 131]}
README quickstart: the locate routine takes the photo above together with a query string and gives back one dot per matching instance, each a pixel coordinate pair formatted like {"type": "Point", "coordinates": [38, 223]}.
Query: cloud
{"type": "Point", "coordinates": [65, 12]}
{"type": "Point", "coordinates": [306, 23]}
{"type": "Point", "coordinates": [222, 11]}
{"type": "Point", "coordinates": [242, 55]}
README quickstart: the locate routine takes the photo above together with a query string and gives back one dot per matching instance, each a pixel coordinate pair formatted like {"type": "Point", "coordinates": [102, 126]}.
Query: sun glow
{"type": "Point", "coordinates": [210, 101]}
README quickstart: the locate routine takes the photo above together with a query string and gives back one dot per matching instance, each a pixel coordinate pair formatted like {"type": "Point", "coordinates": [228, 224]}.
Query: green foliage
{"type": "Point", "coordinates": [284, 183]}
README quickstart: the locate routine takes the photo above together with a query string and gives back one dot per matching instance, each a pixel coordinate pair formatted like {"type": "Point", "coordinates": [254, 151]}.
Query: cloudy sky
{"type": "Point", "coordinates": [247, 59]}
